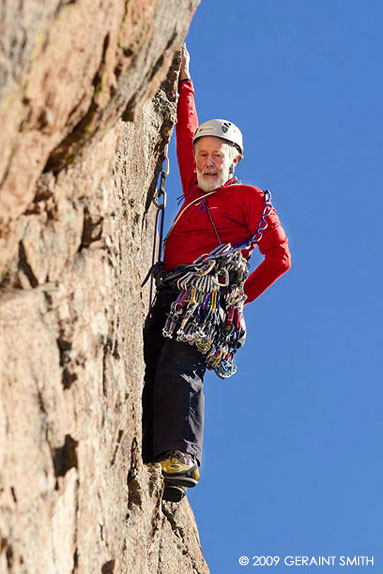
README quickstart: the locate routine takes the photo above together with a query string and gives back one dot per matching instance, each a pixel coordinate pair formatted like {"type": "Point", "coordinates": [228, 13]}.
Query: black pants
{"type": "Point", "coordinates": [173, 400]}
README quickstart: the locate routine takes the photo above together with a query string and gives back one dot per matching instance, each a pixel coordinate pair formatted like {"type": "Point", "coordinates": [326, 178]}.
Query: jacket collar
{"type": "Point", "coordinates": [232, 181]}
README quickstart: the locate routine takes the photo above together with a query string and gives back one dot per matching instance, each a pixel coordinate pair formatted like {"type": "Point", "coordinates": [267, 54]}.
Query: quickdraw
{"type": "Point", "coordinates": [208, 311]}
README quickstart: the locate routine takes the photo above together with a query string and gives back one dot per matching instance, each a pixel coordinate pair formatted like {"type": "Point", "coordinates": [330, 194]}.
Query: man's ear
{"type": "Point", "coordinates": [237, 159]}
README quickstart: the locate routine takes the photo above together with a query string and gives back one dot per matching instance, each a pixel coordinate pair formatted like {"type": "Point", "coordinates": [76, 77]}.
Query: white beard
{"type": "Point", "coordinates": [214, 183]}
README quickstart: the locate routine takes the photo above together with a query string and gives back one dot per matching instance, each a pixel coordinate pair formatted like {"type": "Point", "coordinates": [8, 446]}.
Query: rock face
{"type": "Point", "coordinates": [87, 104]}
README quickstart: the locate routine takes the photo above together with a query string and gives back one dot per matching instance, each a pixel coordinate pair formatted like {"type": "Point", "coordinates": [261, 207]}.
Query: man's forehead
{"type": "Point", "coordinates": [209, 143]}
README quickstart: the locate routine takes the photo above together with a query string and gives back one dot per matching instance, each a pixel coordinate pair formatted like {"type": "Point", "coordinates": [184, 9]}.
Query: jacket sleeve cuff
{"type": "Point", "coordinates": [185, 85]}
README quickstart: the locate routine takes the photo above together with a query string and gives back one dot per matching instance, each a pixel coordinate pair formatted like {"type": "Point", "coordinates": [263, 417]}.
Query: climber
{"type": "Point", "coordinates": [217, 209]}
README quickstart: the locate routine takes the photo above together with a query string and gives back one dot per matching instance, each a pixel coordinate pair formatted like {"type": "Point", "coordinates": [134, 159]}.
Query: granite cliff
{"type": "Point", "coordinates": [87, 105]}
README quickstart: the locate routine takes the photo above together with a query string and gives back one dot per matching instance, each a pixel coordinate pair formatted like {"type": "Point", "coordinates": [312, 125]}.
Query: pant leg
{"type": "Point", "coordinates": [153, 342]}
{"type": "Point", "coordinates": [173, 399]}
{"type": "Point", "coordinates": [178, 400]}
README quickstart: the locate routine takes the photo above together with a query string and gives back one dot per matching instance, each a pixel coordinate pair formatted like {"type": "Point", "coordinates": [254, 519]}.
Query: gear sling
{"type": "Point", "coordinates": [208, 310]}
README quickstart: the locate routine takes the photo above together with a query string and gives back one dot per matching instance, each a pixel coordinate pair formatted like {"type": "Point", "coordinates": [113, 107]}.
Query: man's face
{"type": "Point", "coordinates": [213, 162]}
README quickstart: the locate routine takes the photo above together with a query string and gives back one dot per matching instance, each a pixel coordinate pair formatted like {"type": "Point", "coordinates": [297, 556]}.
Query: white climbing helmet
{"type": "Point", "coordinates": [221, 129]}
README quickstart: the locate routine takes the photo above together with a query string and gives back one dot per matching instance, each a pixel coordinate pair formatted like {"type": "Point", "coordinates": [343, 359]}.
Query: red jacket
{"type": "Point", "coordinates": [236, 210]}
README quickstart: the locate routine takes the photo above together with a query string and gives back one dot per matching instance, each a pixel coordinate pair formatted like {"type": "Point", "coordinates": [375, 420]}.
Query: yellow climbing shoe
{"type": "Point", "coordinates": [179, 468]}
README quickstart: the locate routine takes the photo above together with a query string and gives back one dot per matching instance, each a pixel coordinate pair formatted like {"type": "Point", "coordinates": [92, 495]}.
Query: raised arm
{"type": "Point", "coordinates": [187, 122]}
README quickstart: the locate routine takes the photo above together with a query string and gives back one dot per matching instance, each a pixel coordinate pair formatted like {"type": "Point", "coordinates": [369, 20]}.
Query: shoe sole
{"type": "Point", "coordinates": [180, 481]}
{"type": "Point", "coordinates": [173, 493]}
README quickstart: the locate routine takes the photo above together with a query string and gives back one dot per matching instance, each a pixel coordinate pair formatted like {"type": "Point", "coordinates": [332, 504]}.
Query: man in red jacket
{"type": "Point", "coordinates": [217, 209]}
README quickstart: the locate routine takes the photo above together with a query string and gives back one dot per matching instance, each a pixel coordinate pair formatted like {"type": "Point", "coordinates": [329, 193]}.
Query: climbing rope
{"type": "Point", "coordinates": [159, 200]}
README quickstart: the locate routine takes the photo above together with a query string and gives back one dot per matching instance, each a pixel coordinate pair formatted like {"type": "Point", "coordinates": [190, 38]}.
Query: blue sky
{"type": "Point", "coordinates": [292, 460]}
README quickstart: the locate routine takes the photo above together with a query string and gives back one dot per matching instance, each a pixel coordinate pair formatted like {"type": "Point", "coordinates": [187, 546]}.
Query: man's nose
{"type": "Point", "coordinates": [210, 160]}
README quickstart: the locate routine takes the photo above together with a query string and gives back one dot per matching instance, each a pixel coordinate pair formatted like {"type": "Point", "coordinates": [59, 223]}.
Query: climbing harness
{"type": "Point", "coordinates": [208, 311]}
{"type": "Point", "coordinates": [159, 195]}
